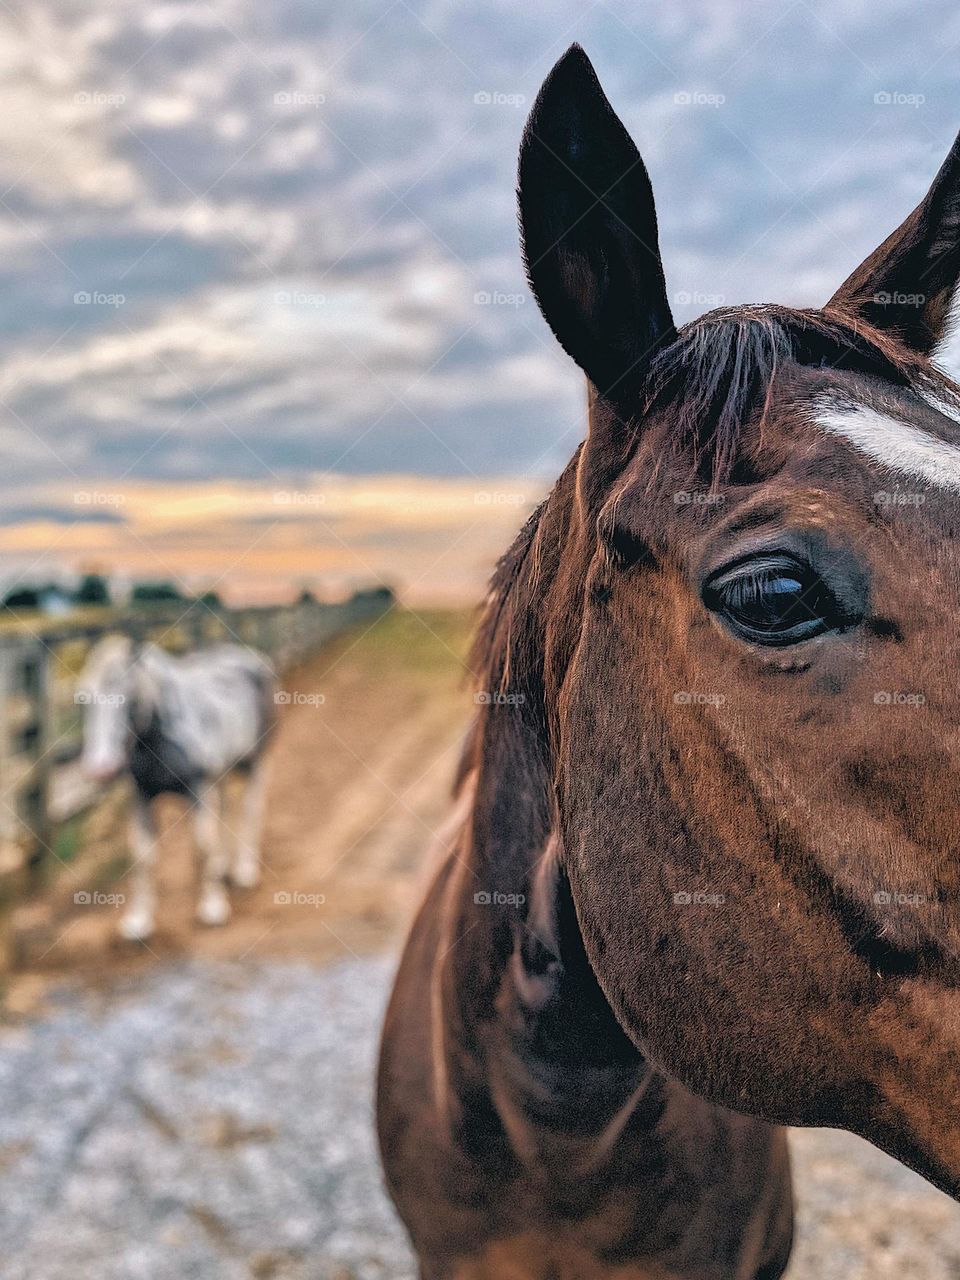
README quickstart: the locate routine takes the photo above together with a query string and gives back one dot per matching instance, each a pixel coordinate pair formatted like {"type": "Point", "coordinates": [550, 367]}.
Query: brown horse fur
{"type": "Point", "coordinates": [704, 876]}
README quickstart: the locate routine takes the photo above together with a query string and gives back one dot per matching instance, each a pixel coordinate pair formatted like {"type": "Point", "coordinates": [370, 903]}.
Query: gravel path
{"type": "Point", "coordinates": [212, 1119]}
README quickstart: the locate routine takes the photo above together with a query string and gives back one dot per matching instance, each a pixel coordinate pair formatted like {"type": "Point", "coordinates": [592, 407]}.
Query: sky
{"type": "Point", "coordinates": [250, 250]}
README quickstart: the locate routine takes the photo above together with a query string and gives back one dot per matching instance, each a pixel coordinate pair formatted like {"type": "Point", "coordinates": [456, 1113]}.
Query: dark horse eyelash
{"type": "Point", "coordinates": [761, 561]}
{"type": "Point", "coordinates": [745, 587]}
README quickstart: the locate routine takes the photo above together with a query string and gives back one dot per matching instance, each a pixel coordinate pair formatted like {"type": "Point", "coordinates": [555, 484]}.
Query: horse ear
{"type": "Point", "coordinates": [908, 284]}
{"type": "Point", "coordinates": [589, 230]}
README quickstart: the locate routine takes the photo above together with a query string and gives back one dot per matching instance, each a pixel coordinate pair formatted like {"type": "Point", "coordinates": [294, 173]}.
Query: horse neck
{"type": "Point", "coordinates": [153, 672]}
{"type": "Point", "coordinates": [523, 1013]}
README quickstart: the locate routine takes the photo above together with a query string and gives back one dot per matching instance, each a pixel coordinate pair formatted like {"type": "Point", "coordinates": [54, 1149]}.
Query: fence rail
{"type": "Point", "coordinates": [41, 784]}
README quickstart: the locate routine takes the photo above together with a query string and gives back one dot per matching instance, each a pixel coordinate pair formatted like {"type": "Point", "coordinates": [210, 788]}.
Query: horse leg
{"type": "Point", "coordinates": [213, 906]}
{"type": "Point", "coordinates": [246, 859]}
{"type": "Point", "coordinates": [138, 919]}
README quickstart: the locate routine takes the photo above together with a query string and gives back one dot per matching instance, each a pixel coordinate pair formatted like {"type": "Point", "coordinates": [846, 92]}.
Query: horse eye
{"type": "Point", "coordinates": [773, 600]}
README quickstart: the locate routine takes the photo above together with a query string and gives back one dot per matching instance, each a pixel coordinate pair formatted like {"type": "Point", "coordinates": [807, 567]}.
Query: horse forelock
{"type": "Point", "coordinates": [722, 371]}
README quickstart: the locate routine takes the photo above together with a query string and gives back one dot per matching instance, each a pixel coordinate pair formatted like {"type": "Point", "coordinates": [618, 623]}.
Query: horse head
{"type": "Point", "coordinates": [735, 622]}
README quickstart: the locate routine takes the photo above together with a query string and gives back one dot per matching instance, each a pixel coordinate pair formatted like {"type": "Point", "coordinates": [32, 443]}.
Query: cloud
{"type": "Point", "coordinates": [294, 224]}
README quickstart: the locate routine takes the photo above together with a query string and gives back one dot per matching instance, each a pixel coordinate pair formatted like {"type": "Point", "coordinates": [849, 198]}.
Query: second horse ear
{"type": "Point", "coordinates": [589, 231]}
{"type": "Point", "coordinates": [908, 285]}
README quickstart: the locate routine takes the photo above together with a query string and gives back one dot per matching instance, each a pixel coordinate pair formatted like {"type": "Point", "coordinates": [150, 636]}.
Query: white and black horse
{"type": "Point", "coordinates": [181, 725]}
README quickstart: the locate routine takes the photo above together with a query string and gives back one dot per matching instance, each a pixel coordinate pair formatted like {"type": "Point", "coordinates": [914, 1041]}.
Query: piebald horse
{"type": "Point", "coordinates": [704, 877]}
{"type": "Point", "coordinates": [180, 726]}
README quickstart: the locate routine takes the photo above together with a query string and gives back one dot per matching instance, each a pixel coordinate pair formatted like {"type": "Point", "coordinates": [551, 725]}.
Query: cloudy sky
{"type": "Point", "coordinates": [270, 248]}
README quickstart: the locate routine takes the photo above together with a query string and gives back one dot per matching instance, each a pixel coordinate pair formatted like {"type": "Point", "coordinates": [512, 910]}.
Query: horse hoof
{"type": "Point", "coordinates": [246, 875]}
{"type": "Point", "coordinates": [136, 928]}
{"type": "Point", "coordinates": [213, 911]}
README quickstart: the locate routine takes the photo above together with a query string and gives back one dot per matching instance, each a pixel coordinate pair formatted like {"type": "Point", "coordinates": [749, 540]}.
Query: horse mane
{"type": "Point", "coordinates": [499, 608]}
{"type": "Point", "coordinates": [508, 640]}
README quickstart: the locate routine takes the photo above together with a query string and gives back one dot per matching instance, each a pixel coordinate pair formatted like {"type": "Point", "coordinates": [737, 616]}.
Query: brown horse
{"type": "Point", "coordinates": [704, 878]}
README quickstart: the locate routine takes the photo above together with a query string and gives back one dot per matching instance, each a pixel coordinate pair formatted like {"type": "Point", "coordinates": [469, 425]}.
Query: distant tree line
{"type": "Point", "coordinates": [93, 591]}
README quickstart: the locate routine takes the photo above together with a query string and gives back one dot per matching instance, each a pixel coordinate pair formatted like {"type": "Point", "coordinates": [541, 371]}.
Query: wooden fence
{"type": "Point", "coordinates": [41, 784]}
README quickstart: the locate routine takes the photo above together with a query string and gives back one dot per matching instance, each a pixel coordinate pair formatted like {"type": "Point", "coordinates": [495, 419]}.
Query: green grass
{"type": "Point", "coordinates": [34, 623]}
{"type": "Point", "coordinates": [67, 839]}
{"type": "Point", "coordinates": [423, 641]}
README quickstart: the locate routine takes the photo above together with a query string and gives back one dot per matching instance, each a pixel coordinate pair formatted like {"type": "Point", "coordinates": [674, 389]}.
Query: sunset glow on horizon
{"type": "Point", "coordinates": [434, 539]}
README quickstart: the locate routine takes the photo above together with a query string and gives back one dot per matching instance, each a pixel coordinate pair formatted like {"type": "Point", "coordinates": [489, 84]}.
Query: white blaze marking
{"type": "Point", "coordinates": [946, 354]}
{"type": "Point", "coordinates": [942, 406]}
{"type": "Point", "coordinates": [896, 444]}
